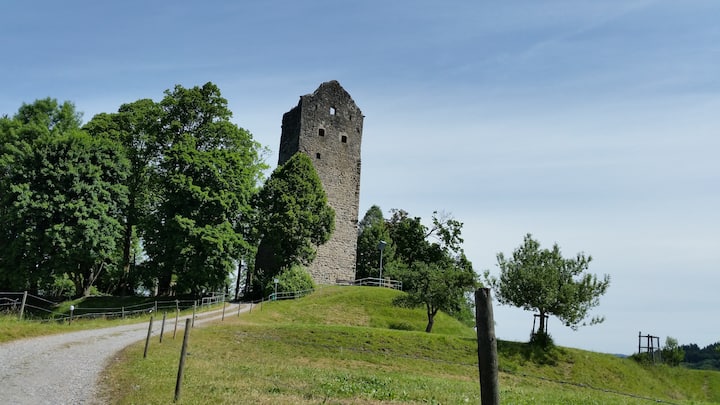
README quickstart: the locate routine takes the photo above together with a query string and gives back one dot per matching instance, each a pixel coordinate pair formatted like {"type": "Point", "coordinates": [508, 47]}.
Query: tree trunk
{"type": "Point", "coordinates": [127, 242]}
{"type": "Point", "coordinates": [431, 320]}
{"type": "Point", "coordinates": [89, 277]}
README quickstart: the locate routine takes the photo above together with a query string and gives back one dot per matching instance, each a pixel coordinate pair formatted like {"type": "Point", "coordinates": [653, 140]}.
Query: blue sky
{"type": "Point", "coordinates": [592, 124]}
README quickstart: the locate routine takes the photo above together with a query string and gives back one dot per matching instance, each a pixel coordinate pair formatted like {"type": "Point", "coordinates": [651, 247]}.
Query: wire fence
{"type": "Point", "coordinates": [470, 365]}
{"type": "Point", "coordinates": [31, 307]}
{"type": "Point", "coordinates": [44, 309]}
{"type": "Point", "coordinates": [373, 281]}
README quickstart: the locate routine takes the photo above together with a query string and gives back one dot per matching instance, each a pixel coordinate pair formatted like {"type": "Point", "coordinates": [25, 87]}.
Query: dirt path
{"type": "Point", "coordinates": [64, 369]}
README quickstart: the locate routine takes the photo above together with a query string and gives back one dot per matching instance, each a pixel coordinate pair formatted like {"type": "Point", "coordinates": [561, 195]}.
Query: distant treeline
{"type": "Point", "coordinates": [707, 358]}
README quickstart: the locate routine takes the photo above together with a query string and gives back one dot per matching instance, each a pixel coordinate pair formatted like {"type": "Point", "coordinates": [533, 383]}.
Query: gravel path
{"type": "Point", "coordinates": [64, 369]}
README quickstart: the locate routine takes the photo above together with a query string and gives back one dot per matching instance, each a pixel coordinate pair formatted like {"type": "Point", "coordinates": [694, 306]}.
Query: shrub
{"type": "Point", "coordinates": [542, 340]}
{"type": "Point", "coordinates": [294, 279]}
{"type": "Point", "coordinates": [672, 354]}
{"type": "Point", "coordinates": [62, 286]}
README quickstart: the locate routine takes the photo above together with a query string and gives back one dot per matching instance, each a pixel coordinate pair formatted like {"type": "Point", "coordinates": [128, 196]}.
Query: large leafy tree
{"type": "Point", "coordinates": [542, 280]}
{"type": "Point", "coordinates": [293, 218]}
{"type": "Point", "coordinates": [136, 128]}
{"type": "Point", "coordinates": [62, 192]}
{"type": "Point", "coordinates": [205, 177]}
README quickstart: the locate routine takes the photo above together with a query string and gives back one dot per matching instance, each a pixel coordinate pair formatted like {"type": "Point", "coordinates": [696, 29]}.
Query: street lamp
{"type": "Point", "coordinates": [381, 247]}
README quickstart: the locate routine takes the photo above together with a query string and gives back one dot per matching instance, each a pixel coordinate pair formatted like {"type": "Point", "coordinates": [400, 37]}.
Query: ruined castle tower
{"type": "Point", "coordinates": [327, 126]}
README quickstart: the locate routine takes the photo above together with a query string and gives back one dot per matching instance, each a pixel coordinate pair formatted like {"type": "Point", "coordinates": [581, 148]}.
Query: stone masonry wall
{"type": "Point", "coordinates": [327, 126]}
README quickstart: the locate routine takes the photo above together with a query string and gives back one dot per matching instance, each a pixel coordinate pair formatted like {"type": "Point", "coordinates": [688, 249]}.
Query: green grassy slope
{"type": "Point", "coordinates": [338, 345]}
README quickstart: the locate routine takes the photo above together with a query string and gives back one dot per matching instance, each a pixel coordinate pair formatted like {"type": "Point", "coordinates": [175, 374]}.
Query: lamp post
{"type": "Point", "coordinates": [381, 247]}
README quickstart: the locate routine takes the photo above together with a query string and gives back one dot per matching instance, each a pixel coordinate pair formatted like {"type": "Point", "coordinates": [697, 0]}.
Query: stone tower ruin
{"type": "Point", "coordinates": [327, 126]}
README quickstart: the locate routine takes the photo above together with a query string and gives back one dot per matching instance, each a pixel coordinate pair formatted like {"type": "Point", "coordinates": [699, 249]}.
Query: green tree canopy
{"type": "Point", "coordinates": [293, 218]}
{"type": "Point", "coordinates": [542, 280]}
{"type": "Point", "coordinates": [205, 178]}
{"type": "Point", "coordinates": [62, 192]}
{"type": "Point", "coordinates": [136, 127]}
{"type": "Point", "coordinates": [438, 287]}
{"type": "Point", "coordinates": [431, 264]}
{"type": "Point", "coordinates": [175, 178]}
{"type": "Point", "coordinates": [372, 230]}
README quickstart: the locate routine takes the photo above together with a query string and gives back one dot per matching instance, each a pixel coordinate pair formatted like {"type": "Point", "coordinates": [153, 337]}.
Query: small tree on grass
{"type": "Point", "coordinates": [437, 288]}
{"type": "Point", "coordinates": [542, 280]}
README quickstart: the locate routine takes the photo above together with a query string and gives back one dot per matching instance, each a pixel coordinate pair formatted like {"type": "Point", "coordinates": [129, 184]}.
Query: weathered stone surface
{"type": "Point", "coordinates": [327, 126]}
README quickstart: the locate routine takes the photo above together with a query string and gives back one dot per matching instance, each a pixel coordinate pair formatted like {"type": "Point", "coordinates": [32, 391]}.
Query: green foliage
{"type": "Point", "coordinates": [544, 281]}
{"type": "Point", "coordinates": [706, 358]}
{"type": "Point", "coordinates": [293, 218]}
{"type": "Point", "coordinates": [136, 127]}
{"type": "Point", "coordinates": [294, 279]}
{"type": "Point", "coordinates": [63, 287]}
{"type": "Point", "coordinates": [372, 230]}
{"type": "Point", "coordinates": [429, 261]}
{"type": "Point", "coordinates": [542, 340]}
{"type": "Point", "coordinates": [204, 180]}
{"type": "Point", "coordinates": [672, 353]}
{"type": "Point", "coordinates": [176, 175]}
{"type": "Point", "coordinates": [437, 288]}
{"type": "Point", "coordinates": [62, 193]}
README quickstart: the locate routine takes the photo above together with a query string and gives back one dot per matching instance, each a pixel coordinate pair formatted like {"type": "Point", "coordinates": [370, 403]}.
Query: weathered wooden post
{"type": "Point", "coordinates": [22, 305]}
{"type": "Point", "coordinates": [177, 314]}
{"type": "Point", "coordinates": [223, 314]}
{"type": "Point", "coordinates": [487, 348]}
{"type": "Point", "coordinates": [194, 308]}
{"type": "Point", "coordinates": [183, 353]}
{"type": "Point", "coordinates": [162, 327]}
{"type": "Point", "coordinates": [147, 340]}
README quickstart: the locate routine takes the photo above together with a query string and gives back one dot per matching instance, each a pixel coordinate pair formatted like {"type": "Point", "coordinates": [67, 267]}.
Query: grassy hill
{"type": "Point", "coordinates": [349, 345]}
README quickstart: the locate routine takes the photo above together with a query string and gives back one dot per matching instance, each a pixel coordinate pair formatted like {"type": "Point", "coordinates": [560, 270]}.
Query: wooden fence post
{"type": "Point", "coordinates": [193, 318]}
{"type": "Point", "coordinates": [181, 366]}
{"type": "Point", "coordinates": [177, 314]}
{"type": "Point", "coordinates": [22, 305]}
{"type": "Point", "coordinates": [487, 348]}
{"type": "Point", "coordinates": [162, 328]}
{"type": "Point", "coordinates": [147, 341]}
{"type": "Point", "coordinates": [223, 314]}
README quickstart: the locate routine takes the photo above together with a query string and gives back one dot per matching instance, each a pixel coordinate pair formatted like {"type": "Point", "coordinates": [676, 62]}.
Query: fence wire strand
{"type": "Point", "coordinates": [260, 336]}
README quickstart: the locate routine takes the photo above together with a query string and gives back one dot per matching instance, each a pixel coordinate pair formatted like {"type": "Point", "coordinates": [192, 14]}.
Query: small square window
{"type": "Point", "coordinates": [343, 139]}
{"type": "Point", "coordinates": [332, 110]}
{"type": "Point", "coordinates": [321, 132]}
{"type": "Point", "coordinates": [317, 155]}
